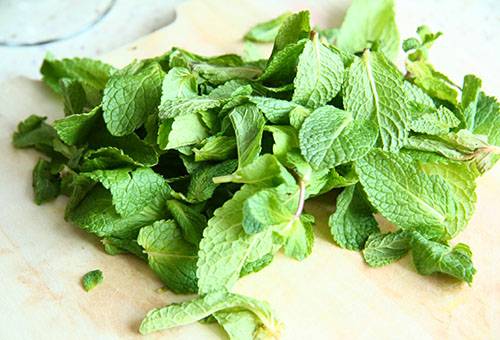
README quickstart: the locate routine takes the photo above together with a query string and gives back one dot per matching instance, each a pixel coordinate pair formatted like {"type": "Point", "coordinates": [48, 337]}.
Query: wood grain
{"type": "Point", "coordinates": [330, 295]}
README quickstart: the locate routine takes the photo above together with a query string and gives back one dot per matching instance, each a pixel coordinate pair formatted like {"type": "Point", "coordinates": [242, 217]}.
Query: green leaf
{"type": "Point", "coordinates": [411, 198]}
{"type": "Point", "coordinates": [320, 73]}
{"type": "Point", "coordinates": [368, 23]}
{"type": "Point", "coordinates": [186, 130]}
{"type": "Point", "coordinates": [239, 325]}
{"type": "Point", "coordinates": [248, 125]}
{"type": "Point", "coordinates": [487, 119]}
{"type": "Point", "coordinates": [268, 207]}
{"type": "Point", "coordinates": [300, 237]}
{"type": "Point", "coordinates": [276, 111]}
{"type": "Point", "coordinates": [132, 190]}
{"type": "Point", "coordinates": [285, 139]}
{"type": "Point", "coordinates": [195, 310]}
{"type": "Point", "coordinates": [296, 27]}
{"type": "Point", "coordinates": [96, 214]}
{"type": "Point", "coordinates": [352, 222]}
{"type": "Point", "coordinates": [216, 148]}
{"type": "Point", "coordinates": [282, 67]}
{"type": "Point", "coordinates": [171, 108]}
{"type": "Point", "coordinates": [430, 257]}
{"type": "Point", "coordinates": [131, 94]}
{"type": "Point", "coordinates": [117, 246]}
{"type": "Point", "coordinates": [74, 97]}
{"type": "Point", "coordinates": [46, 184]}
{"type": "Point", "coordinates": [33, 132]}
{"type": "Point", "coordinates": [92, 279]}
{"type": "Point", "coordinates": [74, 129]}
{"type": "Point", "coordinates": [221, 74]}
{"type": "Point", "coordinates": [266, 31]}
{"type": "Point", "coordinates": [178, 83]}
{"type": "Point", "coordinates": [434, 83]}
{"type": "Point", "coordinates": [374, 90]}
{"type": "Point", "coordinates": [330, 136]}
{"type": "Point", "coordinates": [435, 123]}
{"type": "Point", "coordinates": [92, 74]}
{"type": "Point", "coordinates": [190, 221]}
{"type": "Point", "coordinates": [382, 249]}
{"type": "Point", "coordinates": [470, 96]}
{"type": "Point", "coordinates": [201, 187]}
{"type": "Point", "coordinates": [170, 256]}
{"type": "Point", "coordinates": [265, 171]}
{"type": "Point", "coordinates": [226, 246]}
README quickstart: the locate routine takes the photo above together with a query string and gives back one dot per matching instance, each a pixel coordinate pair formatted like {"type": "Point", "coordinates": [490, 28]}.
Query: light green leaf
{"type": "Point", "coordinates": [430, 257]}
{"type": "Point", "coordinates": [170, 256]}
{"type": "Point", "coordinates": [369, 23]}
{"type": "Point", "coordinates": [300, 237]}
{"type": "Point", "coordinates": [266, 31]}
{"type": "Point", "coordinates": [296, 27]}
{"type": "Point", "coordinates": [195, 310]}
{"type": "Point", "coordinates": [320, 74]}
{"type": "Point", "coordinates": [202, 186]}
{"type": "Point", "coordinates": [221, 74]}
{"type": "Point", "coordinates": [74, 96]}
{"type": "Point", "coordinates": [186, 130]}
{"type": "Point", "coordinates": [74, 129]}
{"type": "Point", "coordinates": [216, 148]}
{"type": "Point", "coordinates": [412, 199]}
{"type": "Point", "coordinates": [374, 90]}
{"type": "Point", "coordinates": [132, 190]}
{"type": "Point", "coordinates": [275, 110]}
{"type": "Point", "coordinates": [382, 249]}
{"type": "Point", "coordinates": [190, 221]}
{"type": "Point", "coordinates": [265, 171]}
{"type": "Point", "coordinates": [352, 222]}
{"type": "Point", "coordinates": [435, 123]}
{"type": "Point", "coordinates": [330, 136]}
{"type": "Point", "coordinates": [282, 66]}
{"type": "Point", "coordinates": [92, 279]}
{"type": "Point", "coordinates": [248, 124]}
{"type": "Point", "coordinates": [226, 246]}
{"type": "Point", "coordinates": [470, 96]}
{"type": "Point", "coordinates": [130, 96]}
{"type": "Point", "coordinates": [178, 83]}
{"type": "Point", "coordinates": [175, 107]}
{"type": "Point", "coordinates": [239, 325]}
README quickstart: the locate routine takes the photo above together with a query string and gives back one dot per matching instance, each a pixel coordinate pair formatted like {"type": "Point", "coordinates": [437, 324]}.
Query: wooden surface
{"type": "Point", "coordinates": [330, 295]}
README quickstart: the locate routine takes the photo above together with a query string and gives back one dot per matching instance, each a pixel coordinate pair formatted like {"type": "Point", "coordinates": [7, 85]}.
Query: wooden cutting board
{"type": "Point", "coordinates": [330, 295]}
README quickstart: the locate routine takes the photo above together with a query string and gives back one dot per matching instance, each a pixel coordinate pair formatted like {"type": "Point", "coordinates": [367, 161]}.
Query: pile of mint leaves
{"type": "Point", "coordinates": [201, 166]}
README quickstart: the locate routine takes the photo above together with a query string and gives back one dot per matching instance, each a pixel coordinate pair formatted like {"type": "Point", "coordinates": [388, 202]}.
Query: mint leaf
{"type": "Point", "coordinates": [411, 198]}
{"type": "Point", "coordinates": [266, 31]}
{"type": "Point", "coordinates": [430, 257]}
{"type": "Point", "coordinates": [202, 186]}
{"type": "Point", "coordinates": [470, 95]}
{"type": "Point", "coordinates": [171, 108]}
{"type": "Point", "coordinates": [374, 90]}
{"type": "Point", "coordinates": [282, 67]}
{"type": "Point", "coordinates": [435, 123]}
{"type": "Point", "coordinates": [132, 190]}
{"type": "Point", "coordinates": [186, 130]}
{"type": "Point", "coordinates": [330, 136]}
{"type": "Point", "coordinates": [74, 129]}
{"type": "Point", "coordinates": [130, 95]}
{"type": "Point", "coordinates": [33, 132]}
{"type": "Point", "coordinates": [46, 184]}
{"type": "Point", "coordinates": [191, 311]}
{"type": "Point", "coordinates": [225, 246]}
{"type": "Point", "coordinates": [320, 74]}
{"type": "Point", "coordinates": [190, 221]}
{"type": "Point", "coordinates": [170, 256]}
{"type": "Point", "coordinates": [277, 111]}
{"type": "Point", "coordinates": [296, 27]}
{"type": "Point", "coordinates": [92, 279]}
{"type": "Point", "coordinates": [179, 82]}
{"type": "Point", "coordinates": [268, 207]}
{"type": "Point", "coordinates": [92, 74]}
{"type": "Point", "coordinates": [434, 83]}
{"type": "Point", "coordinates": [216, 148]}
{"type": "Point", "coordinates": [352, 222]}
{"type": "Point", "coordinates": [300, 237]}
{"type": "Point", "coordinates": [367, 24]}
{"type": "Point", "coordinates": [239, 325]}
{"type": "Point", "coordinates": [248, 125]}
{"type": "Point", "coordinates": [382, 249]}
{"type": "Point", "coordinates": [74, 96]}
